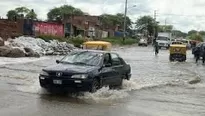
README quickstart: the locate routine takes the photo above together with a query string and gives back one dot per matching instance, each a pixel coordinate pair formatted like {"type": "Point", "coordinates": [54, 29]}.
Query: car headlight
{"type": "Point", "coordinates": [44, 73]}
{"type": "Point", "coordinates": [80, 76]}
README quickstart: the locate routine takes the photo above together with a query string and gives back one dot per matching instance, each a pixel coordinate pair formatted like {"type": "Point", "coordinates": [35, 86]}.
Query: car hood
{"type": "Point", "coordinates": [70, 68]}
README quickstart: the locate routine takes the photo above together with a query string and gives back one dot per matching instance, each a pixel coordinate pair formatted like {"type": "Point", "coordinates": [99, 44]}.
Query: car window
{"type": "Point", "coordinates": [115, 60]}
{"type": "Point", "coordinates": [107, 59]}
{"type": "Point", "coordinates": [86, 58]}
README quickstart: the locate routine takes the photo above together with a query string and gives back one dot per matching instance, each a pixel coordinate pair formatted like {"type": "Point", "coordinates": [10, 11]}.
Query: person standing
{"type": "Point", "coordinates": [197, 54]}
{"type": "Point", "coordinates": [156, 46]}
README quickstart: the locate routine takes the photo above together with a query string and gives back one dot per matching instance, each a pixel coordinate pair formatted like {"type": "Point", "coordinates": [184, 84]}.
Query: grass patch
{"type": "Point", "coordinates": [119, 41]}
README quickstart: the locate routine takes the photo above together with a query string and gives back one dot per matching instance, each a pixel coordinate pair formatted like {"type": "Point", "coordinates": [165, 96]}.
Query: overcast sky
{"type": "Point", "coordinates": [183, 14]}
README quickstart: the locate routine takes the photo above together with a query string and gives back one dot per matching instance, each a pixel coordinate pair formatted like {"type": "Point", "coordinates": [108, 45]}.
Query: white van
{"type": "Point", "coordinates": [163, 42]}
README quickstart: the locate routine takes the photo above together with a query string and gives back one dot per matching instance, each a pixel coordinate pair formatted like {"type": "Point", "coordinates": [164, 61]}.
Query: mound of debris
{"type": "Point", "coordinates": [33, 47]}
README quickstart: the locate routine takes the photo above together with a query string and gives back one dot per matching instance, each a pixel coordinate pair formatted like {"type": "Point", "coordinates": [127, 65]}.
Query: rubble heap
{"type": "Point", "coordinates": [33, 47]}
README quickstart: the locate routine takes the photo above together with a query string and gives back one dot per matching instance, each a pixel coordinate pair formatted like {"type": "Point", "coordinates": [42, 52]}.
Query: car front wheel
{"type": "Point", "coordinates": [95, 86]}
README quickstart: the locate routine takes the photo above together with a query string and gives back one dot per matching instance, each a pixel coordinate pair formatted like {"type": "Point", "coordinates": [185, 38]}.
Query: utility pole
{"type": "Point", "coordinates": [125, 21]}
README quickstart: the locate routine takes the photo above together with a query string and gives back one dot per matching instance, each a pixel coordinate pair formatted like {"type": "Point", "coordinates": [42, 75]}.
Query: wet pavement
{"type": "Point", "coordinates": [157, 88]}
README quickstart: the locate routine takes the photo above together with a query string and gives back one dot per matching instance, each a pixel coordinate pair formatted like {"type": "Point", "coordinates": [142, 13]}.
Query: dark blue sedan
{"type": "Point", "coordinates": [85, 70]}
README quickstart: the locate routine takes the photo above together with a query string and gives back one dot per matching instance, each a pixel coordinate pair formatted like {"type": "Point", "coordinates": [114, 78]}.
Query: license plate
{"type": "Point", "coordinates": [77, 81]}
{"type": "Point", "coordinates": [58, 82]}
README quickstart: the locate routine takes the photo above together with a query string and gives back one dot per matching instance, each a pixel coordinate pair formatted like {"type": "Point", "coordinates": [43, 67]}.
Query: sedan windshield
{"type": "Point", "coordinates": [83, 58]}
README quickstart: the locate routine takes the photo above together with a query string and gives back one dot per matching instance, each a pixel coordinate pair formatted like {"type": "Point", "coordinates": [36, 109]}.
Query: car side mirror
{"type": "Point", "coordinates": [57, 61]}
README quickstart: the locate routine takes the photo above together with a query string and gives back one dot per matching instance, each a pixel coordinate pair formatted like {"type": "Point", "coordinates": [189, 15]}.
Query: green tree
{"type": "Point", "coordinates": [12, 14]}
{"type": "Point", "coordinates": [202, 33]}
{"type": "Point", "coordinates": [146, 23]}
{"type": "Point", "coordinates": [107, 19]}
{"type": "Point", "coordinates": [178, 33]}
{"type": "Point", "coordinates": [57, 13]}
{"type": "Point", "coordinates": [21, 11]}
{"type": "Point", "coordinates": [31, 15]}
{"type": "Point", "coordinates": [196, 36]}
{"type": "Point", "coordinates": [115, 20]}
{"type": "Point", "coordinates": [192, 32]}
{"type": "Point", "coordinates": [165, 28]}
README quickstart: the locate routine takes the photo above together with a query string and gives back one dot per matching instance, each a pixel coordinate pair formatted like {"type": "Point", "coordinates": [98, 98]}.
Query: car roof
{"type": "Point", "coordinates": [95, 51]}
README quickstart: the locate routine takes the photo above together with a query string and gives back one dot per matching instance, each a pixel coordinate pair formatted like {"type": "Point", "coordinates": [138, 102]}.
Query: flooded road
{"type": "Point", "coordinates": [157, 88]}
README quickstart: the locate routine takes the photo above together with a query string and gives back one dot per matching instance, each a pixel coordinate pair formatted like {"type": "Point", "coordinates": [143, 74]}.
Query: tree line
{"type": "Point", "coordinates": [57, 13]}
{"type": "Point", "coordinates": [142, 24]}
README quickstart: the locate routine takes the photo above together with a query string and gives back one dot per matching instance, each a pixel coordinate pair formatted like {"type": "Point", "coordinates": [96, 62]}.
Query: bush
{"type": "Point", "coordinates": [197, 37]}
{"type": "Point", "coordinates": [119, 41]}
{"type": "Point", "coordinates": [76, 41]}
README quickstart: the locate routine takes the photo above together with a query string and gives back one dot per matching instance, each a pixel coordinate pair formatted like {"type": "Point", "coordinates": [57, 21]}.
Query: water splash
{"type": "Point", "coordinates": [104, 96]}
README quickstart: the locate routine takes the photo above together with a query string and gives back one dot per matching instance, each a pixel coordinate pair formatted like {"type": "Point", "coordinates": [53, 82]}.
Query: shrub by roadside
{"type": "Point", "coordinates": [77, 41]}
{"type": "Point", "coordinates": [119, 41]}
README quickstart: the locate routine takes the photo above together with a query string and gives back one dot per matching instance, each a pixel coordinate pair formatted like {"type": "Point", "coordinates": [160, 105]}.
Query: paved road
{"type": "Point", "coordinates": [157, 88]}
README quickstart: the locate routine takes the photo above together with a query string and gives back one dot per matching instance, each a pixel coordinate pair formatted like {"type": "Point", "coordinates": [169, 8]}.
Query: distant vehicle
{"type": "Point", "coordinates": [164, 40]}
{"type": "Point", "coordinates": [177, 52]}
{"type": "Point", "coordinates": [97, 45]}
{"type": "Point", "coordinates": [85, 70]}
{"type": "Point", "coordinates": [143, 42]}
{"type": "Point", "coordinates": [187, 43]}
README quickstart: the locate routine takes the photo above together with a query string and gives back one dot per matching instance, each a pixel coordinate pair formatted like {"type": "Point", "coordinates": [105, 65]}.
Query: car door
{"type": "Point", "coordinates": [106, 72]}
{"type": "Point", "coordinates": [117, 66]}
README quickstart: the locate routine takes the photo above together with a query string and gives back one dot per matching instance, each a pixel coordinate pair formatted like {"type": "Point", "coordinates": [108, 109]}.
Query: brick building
{"type": "Point", "coordinates": [84, 25]}
{"type": "Point", "coordinates": [87, 25]}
